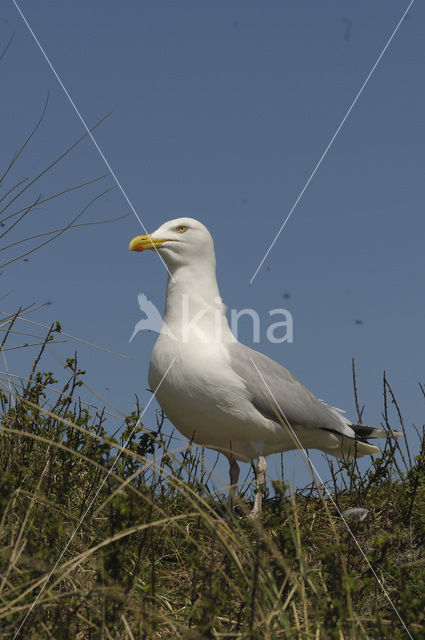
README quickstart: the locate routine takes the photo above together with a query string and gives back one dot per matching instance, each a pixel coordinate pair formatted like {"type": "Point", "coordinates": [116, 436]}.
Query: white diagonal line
{"type": "Point", "coordinates": [307, 457]}
{"type": "Point", "coordinates": [92, 138]}
{"type": "Point", "coordinates": [91, 504]}
{"type": "Point", "coordinates": [341, 124]}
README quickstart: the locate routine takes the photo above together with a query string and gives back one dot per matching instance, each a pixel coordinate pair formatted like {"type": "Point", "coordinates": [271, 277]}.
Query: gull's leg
{"type": "Point", "coordinates": [260, 477]}
{"type": "Point", "coordinates": [234, 477]}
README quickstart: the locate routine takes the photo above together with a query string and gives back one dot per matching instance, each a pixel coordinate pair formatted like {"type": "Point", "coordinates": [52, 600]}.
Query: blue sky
{"type": "Point", "coordinates": [221, 110]}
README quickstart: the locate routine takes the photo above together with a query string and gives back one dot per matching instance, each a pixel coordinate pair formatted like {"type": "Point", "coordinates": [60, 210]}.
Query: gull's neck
{"type": "Point", "coordinates": [193, 307]}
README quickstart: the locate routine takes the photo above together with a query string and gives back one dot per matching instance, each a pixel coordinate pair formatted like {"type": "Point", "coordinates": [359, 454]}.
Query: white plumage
{"type": "Point", "coordinates": [215, 390]}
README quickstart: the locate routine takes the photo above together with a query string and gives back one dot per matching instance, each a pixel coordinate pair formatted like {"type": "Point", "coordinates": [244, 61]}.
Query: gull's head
{"type": "Point", "coordinates": [183, 241]}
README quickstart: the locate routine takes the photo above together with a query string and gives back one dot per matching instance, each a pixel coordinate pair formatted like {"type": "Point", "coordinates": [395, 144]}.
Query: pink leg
{"type": "Point", "coordinates": [234, 477]}
{"type": "Point", "coordinates": [260, 476]}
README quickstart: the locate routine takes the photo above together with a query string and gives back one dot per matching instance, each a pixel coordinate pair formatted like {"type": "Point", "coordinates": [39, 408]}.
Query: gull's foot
{"type": "Point", "coordinates": [258, 503]}
{"type": "Point", "coordinates": [254, 513]}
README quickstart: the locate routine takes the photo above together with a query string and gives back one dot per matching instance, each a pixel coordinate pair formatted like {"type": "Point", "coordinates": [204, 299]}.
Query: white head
{"type": "Point", "coordinates": [193, 306]}
{"type": "Point", "coordinates": [180, 242]}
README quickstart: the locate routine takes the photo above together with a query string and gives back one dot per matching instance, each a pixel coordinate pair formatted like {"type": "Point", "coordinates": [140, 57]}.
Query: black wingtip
{"type": "Point", "coordinates": [364, 431]}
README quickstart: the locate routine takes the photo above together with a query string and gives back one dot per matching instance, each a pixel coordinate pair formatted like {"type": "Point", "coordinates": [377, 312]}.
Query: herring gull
{"type": "Point", "coordinates": [220, 393]}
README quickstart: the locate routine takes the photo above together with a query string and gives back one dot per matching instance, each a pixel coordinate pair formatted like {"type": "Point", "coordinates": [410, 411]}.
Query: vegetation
{"type": "Point", "coordinates": [102, 540]}
{"type": "Point", "coordinates": [124, 539]}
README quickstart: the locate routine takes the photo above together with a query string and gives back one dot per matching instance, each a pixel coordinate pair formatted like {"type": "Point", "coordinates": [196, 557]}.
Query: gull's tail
{"type": "Point", "coordinates": [356, 448]}
{"type": "Point", "coordinates": [364, 432]}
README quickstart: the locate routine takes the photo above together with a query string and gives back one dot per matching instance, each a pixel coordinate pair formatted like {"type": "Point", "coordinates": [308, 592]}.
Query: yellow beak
{"type": "Point", "coordinates": [140, 243]}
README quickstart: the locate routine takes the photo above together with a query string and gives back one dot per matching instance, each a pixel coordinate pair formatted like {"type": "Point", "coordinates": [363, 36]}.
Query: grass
{"type": "Point", "coordinates": [104, 541]}
{"type": "Point", "coordinates": [133, 542]}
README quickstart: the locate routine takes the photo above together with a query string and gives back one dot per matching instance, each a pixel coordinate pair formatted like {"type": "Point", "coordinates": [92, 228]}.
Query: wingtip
{"type": "Point", "coordinates": [395, 434]}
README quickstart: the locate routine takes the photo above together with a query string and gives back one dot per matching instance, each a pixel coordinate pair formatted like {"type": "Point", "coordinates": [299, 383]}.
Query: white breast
{"type": "Point", "coordinates": [206, 400]}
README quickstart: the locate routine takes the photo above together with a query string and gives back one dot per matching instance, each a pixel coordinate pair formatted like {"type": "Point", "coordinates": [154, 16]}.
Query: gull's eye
{"type": "Point", "coordinates": [181, 228]}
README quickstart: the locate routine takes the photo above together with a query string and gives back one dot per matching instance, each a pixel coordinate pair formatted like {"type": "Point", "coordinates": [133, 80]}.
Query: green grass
{"type": "Point", "coordinates": [157, 554]}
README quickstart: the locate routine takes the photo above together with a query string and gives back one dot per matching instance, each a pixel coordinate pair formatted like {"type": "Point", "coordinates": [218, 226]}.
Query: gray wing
{"type": "Point", "coordinates": [295, 402]}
